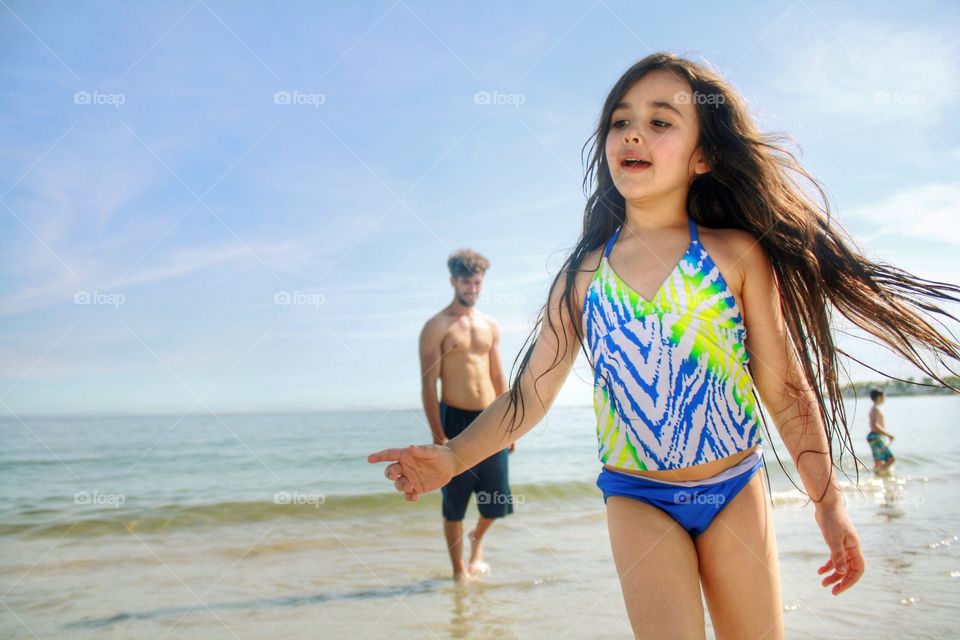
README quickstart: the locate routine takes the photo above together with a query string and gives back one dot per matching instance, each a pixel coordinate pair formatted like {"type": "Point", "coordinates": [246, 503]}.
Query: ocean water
{"type": "Point", "coordinates": [244, 526]}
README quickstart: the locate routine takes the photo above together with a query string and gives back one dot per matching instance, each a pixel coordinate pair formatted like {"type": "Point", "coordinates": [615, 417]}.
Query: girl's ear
{"type": "Point", "coordinates": [700, 165]}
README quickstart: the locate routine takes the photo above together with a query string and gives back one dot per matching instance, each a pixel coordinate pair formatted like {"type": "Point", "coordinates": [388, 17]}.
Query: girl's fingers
{"type": "Point", "coordinates": [832, 578]}
{"type": "Point", "coordinates": [826, 567]}
{"type": "Point", "coordinates": [384, 456]}
{"type": "Point", "coordinates": [847, 582]}
{"type": "Point", "coordinates": [854, 566]}
{"type": "Point", "coordinates": [839, 559]}
{"type": "Point", "coordinates": [393, 471]}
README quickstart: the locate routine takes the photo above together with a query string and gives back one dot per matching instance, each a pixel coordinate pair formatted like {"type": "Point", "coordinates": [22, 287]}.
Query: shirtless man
{"type": "Point", "coordinates": [460, 347]}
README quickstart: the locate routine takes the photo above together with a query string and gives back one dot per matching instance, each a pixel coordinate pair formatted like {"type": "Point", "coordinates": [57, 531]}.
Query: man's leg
{"type": "Point", "coordinates": [494, 500]}
{"type": "Point", "coordinates": [453, 531]}
{"type": "Point", "coordinates": [476, 539]}
{"type": "Point", "coordinates": [456, 496]}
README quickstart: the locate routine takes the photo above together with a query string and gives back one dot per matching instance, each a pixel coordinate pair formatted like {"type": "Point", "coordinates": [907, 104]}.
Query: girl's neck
{"type": "Point", "coordinates": [643, 219]}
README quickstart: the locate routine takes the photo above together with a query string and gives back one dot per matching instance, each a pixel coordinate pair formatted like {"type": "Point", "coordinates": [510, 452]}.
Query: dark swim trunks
{"type": "Point", "coordinates": [488, 479]}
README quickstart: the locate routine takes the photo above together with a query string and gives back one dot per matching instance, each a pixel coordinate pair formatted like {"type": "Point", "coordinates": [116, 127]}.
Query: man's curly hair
{"type": "Point", "coordinates": [466, 262]}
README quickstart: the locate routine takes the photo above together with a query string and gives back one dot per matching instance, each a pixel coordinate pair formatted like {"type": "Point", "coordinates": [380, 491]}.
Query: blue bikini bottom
{"type": "Point", "coordinates": [693, 505]}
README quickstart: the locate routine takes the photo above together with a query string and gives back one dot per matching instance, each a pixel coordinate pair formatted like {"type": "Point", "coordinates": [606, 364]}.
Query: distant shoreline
{"type": "Point", "coordinates": [893, 388]}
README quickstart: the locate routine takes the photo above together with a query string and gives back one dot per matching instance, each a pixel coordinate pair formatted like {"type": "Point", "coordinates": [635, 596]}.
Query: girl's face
{"type": "Point", "coordinates": [655, 122]}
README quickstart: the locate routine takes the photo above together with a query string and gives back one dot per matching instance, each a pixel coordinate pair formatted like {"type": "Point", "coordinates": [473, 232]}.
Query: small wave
{"type": "Point", "coordinates": [56, 523]}
{"type": "Point", "coordinates": [873, 487]}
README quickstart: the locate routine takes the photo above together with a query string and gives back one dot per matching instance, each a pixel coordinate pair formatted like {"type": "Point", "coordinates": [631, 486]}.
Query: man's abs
{"type": "Point", "coordinates": [465, 378]}
{"type": "Point", "coordinates": [465, 382]}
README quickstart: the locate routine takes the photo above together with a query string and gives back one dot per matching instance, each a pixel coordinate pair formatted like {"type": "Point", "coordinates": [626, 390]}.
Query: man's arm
{"type": "Point", "coordinates": [497, 377]}
{"type": "Point", "coordinates": [430, 356]}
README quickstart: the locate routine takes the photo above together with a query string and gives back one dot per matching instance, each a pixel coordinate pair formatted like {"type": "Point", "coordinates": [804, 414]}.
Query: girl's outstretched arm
{"type": "Point", "coordinates": [420, 469]}
{"type": "Point", "coordinates": [792, 403]}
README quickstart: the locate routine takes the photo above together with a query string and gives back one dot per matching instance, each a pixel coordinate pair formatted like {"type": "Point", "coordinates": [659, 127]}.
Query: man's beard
{"type": "Point", "coordinates": [465, 302]}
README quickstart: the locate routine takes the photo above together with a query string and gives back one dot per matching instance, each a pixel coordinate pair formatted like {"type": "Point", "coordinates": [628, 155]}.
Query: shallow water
{"type": "Point", "coordinates": [243, 526]}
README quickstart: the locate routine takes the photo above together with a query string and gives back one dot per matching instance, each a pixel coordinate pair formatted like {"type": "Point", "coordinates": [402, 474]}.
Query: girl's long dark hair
{"type": "Point", "coordinates": [757, 185]}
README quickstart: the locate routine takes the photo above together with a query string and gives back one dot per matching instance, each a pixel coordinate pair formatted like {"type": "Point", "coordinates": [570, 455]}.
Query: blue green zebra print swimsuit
{"type": "Point", "coordinates": [671, 386]}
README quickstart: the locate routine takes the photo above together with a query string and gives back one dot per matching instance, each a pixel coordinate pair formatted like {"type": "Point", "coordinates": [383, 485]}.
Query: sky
{"type": "Point", "coordinates": [247, 207]}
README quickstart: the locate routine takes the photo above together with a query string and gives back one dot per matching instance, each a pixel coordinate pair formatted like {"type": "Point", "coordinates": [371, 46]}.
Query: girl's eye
{"type": "Point", "coordinates": [658, 124]}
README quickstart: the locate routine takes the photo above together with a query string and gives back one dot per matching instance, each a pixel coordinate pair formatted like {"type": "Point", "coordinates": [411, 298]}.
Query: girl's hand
{"type": "Point", "coordinates": [846, 560]}
{"type": "Point", "coordinates": [417, 469]}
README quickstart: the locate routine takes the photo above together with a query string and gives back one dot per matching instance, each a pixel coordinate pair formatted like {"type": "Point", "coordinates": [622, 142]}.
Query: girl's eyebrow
{"type": "Point", "coordinates": [656, 104]}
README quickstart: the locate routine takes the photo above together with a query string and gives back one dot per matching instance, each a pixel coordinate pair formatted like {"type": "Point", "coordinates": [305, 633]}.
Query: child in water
{"type": "Point", "coordinates": [882, 456]}
{"type": "Point", "coordinates": [701, 285]}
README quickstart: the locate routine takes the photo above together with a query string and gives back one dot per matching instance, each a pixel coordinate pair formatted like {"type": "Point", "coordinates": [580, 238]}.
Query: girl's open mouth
{"type": "Point", "coordinates": [634, 165]}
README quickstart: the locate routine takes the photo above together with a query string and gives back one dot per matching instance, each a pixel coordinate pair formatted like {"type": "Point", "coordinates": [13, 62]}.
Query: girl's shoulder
{"type": "Point", "coordinates": [734, 251]}
{"type": "Point", "coordinates": [588, 269]}
{"type": "Point", "coordinates": [582, 278]}
{"type": "Point", "coordinates": [737, 240]}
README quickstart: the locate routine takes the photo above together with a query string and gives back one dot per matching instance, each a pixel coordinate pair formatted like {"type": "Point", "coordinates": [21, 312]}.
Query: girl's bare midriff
{"type": "Point", "coordinates": [696, 472]}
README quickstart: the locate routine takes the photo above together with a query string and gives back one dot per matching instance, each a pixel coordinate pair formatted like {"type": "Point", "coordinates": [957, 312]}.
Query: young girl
{"type": "Point", "coordinates": [703, 273]}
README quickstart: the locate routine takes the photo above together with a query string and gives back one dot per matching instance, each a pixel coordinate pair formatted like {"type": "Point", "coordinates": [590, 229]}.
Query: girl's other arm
{"type": "Point", "coordinates": [792, 403]}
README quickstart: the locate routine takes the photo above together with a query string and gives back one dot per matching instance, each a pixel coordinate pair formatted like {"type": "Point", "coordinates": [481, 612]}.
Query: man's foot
{"type": "Point", "coordinates": [477, 566]}
{"type": "Point", "coordinates": [476, 547]}
{"type": "Point", "coordinates": [461, 573]}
